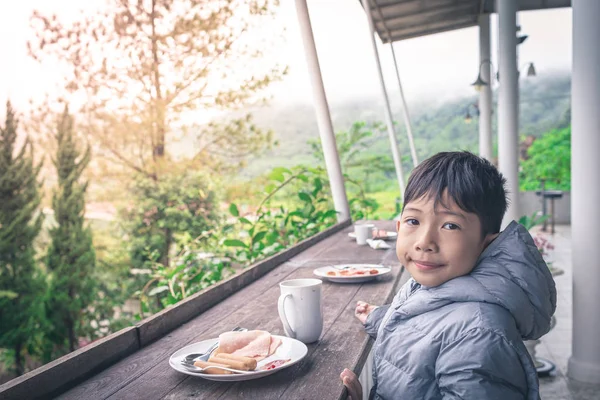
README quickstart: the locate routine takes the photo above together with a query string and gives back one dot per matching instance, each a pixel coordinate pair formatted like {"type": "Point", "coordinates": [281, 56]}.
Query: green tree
{"type": "Point", "coordinates": [184, 203]}
{"type": "Point", "coordinates": [71, 258]}
{"type": "Point", "coordinates": [550, 160]}
{"type": "Point", "coordinates": [20, 223]}
{"type": "Point", "coordinates": [149, 69]}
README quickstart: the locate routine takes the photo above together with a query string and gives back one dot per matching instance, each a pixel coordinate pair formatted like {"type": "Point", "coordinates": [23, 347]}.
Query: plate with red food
{"type": "Point", "coordinates": [352, 273]}
{"type": "Point", "coordinates": [379, 234]}
{"type": "Point", "coordinates": [254, 353]}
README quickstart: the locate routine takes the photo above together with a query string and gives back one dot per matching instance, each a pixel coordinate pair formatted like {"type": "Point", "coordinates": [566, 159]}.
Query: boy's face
{"type": "Point", "coordinates": [438, 245]}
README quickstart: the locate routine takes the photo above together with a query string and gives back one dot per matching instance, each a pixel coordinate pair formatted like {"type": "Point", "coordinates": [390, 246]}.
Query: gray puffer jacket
{"type": "Point", "coordinates": [464, 338]}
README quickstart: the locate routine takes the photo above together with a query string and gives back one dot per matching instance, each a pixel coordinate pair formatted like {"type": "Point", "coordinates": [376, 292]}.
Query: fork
{"type": "Point", "coordinates": [191, 358]}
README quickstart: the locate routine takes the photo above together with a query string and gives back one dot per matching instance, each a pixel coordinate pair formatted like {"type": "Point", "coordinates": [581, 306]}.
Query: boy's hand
{"type": "Point", "coordinates": [363, 310]}
{"type": "Point", "coordinates": [351, 382]}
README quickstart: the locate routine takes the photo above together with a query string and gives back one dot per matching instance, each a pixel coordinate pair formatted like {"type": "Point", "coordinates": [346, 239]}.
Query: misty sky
{"type": "Point", "coordinates": [439, 66]}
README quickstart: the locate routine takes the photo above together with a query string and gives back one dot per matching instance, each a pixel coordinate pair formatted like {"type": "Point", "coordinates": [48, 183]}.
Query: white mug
{"type": "Point", "coordinates": [363, 232]}
{"type": "Point", "coordinates": [300, 309]}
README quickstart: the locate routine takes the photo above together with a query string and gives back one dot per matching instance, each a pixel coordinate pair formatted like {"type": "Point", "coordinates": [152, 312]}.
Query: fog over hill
{"type": "Point", "coordinates": [544, 104]}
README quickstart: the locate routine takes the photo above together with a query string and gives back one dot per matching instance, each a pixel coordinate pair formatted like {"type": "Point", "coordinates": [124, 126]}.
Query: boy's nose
{"type": "Point", "coordinates": [426, 243]}
{"type": "Point", "coordinates": [425, 247]}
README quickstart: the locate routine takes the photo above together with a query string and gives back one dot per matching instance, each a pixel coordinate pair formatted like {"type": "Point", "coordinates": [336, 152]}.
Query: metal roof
{"type": "Point", "coordinates": [404, 19]}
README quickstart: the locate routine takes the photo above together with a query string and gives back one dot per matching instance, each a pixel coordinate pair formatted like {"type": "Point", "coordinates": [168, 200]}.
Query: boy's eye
{"type": "Point", "coordinates": [451, 226]}
{"type": "Point", "coordinates": [412, 221]}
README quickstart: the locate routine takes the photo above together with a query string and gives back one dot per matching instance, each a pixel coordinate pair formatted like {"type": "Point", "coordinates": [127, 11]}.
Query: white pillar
{"type": "Point", "coordinates": [508, 107]}
{"type": "Point", "coordinates": [411, 142]}
{"type": "Point", "coordinates": [332, 160]}
{"type": "Point", "coordinates": [584, 364]}
{"type": "Point", "coordinates": [388, 110]}
{"type": "Point", "coordinates": [485, 94]}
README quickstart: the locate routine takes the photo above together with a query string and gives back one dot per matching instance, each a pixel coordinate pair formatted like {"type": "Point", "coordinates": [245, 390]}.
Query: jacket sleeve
{"type": "Point", "coordinates": [481, 364]}
{"type": "Point", "coordinates": [374, 320]}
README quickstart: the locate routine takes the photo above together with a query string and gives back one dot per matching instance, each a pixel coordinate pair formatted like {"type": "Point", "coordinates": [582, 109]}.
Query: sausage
{"type": "Point", "coordinates": [213, 371]}
{"type": "Point", "coordinates": [249, 363]}
{"type": "Point", "coordinates": [235, 364]}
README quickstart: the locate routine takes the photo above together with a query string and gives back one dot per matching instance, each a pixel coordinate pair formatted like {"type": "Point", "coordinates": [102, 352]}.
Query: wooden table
{"type": "Point", "coordinates": [146, 374]}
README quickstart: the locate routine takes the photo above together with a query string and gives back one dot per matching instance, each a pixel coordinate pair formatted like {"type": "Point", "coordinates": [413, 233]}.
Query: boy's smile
{"type": "Point", "coordinates": [436, 245]}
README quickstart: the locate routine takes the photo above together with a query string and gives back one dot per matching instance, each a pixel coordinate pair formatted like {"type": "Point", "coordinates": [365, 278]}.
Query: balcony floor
{"type": "Point", "coordinates": [556, 345]}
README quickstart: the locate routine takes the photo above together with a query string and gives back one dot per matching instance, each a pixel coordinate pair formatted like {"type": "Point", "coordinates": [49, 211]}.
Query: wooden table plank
{"type": "Point", "coordinates": [343, 343]}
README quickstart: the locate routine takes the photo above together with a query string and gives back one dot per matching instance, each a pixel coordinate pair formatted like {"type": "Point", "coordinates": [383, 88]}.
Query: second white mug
{"type": "Point", "coordinates": [363, 232]}
{"type": "Point", "coordinates": [300, 309]}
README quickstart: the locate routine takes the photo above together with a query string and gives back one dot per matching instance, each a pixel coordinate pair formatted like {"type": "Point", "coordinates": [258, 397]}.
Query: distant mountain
{"type": "Point", "coordinates": [544, 102]}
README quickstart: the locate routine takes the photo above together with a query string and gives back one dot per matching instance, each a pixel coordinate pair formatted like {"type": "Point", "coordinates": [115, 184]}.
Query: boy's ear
{"type": "Point", "coordinates": [397, 225]}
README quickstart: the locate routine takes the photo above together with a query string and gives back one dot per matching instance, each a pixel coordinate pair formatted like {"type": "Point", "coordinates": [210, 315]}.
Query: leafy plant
{"type": "Point", "coordinates": [114, 282]}
{"type": "Point", "coordinates": [273, 228]}
{"type": "Point", "coordinates": [191, 270]}
{"type": "Point", "coordinates": [182, 203]}
{"type": "Point", "coordinates": [550, 160]}
{"type": "Point", "coordinates": [361, 206]}
{"type": "Point", "coordinates": [357, 156]}
{"type": "Point", "coordinates": [529, 221]}
{"type": "Point", "coordinates": [295, 206]}
{"type": "Point", "coordinates": [359, 165]}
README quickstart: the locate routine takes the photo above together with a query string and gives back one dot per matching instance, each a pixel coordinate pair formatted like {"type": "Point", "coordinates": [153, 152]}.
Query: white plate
{"type": "Point", "coordinates": [322, 273]}
{"type": "Point", "coordinates": [390, 235]}
{"type": "Point", "coordinates": [289, 348]}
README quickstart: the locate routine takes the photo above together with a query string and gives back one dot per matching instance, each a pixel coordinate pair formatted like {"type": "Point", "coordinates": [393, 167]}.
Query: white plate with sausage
{"type": "Point", "coordinates": [288, 353]}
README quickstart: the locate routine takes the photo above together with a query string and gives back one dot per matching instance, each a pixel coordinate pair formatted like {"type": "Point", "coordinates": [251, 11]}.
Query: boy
{"type": "Point", "coordinates": [455, 329]}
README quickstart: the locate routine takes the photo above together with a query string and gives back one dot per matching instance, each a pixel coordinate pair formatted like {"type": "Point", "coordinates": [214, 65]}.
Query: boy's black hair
{"type": "Point", "coordinates": [471, 181]}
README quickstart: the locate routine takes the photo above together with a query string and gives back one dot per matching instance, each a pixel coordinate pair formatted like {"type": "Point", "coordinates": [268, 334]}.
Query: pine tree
{"type": "Point", "coordinates": [71, 257]}
{"type": "Point", "coordinates": [20, 223]}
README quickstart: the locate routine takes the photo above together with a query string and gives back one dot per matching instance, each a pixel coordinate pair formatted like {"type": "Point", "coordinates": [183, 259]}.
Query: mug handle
{"type": "Point", "coordinates": [286, 325]}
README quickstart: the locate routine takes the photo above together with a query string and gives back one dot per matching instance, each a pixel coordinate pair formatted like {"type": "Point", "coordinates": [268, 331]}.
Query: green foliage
{"type": "Point", "coordinates": [180, 203]}
{"type": "Point", "coordinates": [71, 258]}
{"type": "Point", "coordinates": [351, 144]}
{"type": "Point", "coordinates": [359, 165]}
{"type": "Point", "coordinates": [8, 294]}
{"type": "Point", "coordinates": [529, 221]}
{"type": "Point", "coordinates": [550, 160]}
{"type": "Point", "coordinates": [114, 282]}
{"type": "Point", "coordinates": [307, 211]}
{"type": "Point", "coordinates": [20, 223]}
{"type": "Point", "coordinates": [296, 205]}
{"type": "Point", "coordinates": [357, 157]}
{"type": "Point", "coordinates": [191, 270]}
